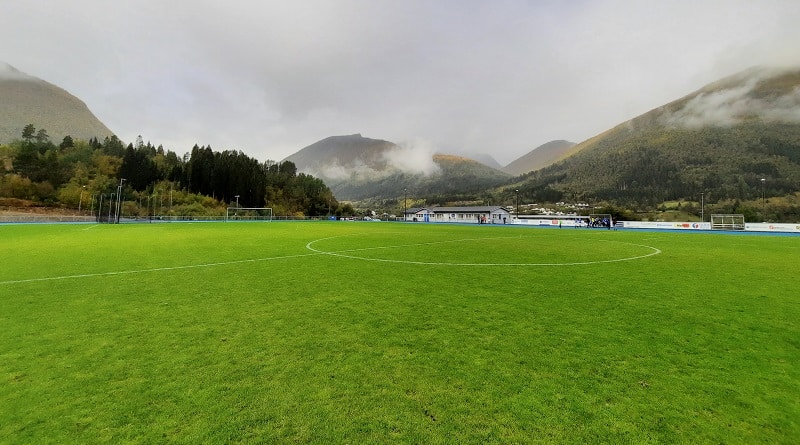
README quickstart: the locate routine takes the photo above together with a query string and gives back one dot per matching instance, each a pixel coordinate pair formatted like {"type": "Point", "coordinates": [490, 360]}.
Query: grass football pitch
{"type": "Point", "coordinates": [344, 332]}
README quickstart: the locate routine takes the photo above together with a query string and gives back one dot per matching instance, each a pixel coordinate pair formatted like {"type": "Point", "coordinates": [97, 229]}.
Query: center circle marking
{"type": "Point", "coordinates": [345, 253]}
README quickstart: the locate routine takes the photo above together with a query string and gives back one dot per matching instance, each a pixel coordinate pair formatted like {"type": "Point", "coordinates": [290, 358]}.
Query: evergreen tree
{"type": "Point", "coordinates": [28, 133]}
{"type": "Point", "coordinates": [67, 142]}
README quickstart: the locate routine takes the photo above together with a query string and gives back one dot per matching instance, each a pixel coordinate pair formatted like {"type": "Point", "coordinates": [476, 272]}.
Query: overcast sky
{"type": "Point", "coordinates": [500, 77]}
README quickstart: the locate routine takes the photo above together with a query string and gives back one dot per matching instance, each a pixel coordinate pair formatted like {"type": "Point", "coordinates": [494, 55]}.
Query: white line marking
{"type": "Point", "coordinates": [309, 246]}
{"type": "Point", "coordinates": [154, 269]}
{"type": "Point", "coordinates": [342, 254]}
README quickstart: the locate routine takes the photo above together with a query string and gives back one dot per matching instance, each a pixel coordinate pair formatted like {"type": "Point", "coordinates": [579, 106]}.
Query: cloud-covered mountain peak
{"type": "Point", "coordinates": [763, 93]}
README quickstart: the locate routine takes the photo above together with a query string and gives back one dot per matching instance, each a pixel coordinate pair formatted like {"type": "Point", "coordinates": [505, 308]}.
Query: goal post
{"type": "Point", "coordinates": [248, 214]}
{"type": "Point", "coordinates": [727, 222]}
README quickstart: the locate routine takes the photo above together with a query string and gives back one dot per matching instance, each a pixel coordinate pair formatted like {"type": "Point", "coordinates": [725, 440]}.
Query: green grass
{"type": "Point", "coordinates": [395, 333]}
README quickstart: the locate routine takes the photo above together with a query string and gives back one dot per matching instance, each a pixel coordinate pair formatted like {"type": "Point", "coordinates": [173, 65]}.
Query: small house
{"type": "Point", "coordinates": [467, 214]}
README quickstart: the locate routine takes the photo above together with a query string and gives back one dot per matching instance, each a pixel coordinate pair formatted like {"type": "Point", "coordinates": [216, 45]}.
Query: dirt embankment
{"type": "Point", "coordinates": [20, 207]}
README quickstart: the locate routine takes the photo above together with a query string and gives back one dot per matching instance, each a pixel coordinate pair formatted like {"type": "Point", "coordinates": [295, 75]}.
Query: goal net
{"type": "Point", "coordinates": [727, 222]}
{"type": "Point", "coordinates": [600, 220]}
{"type": "Point", "coordinates": [248, 214]}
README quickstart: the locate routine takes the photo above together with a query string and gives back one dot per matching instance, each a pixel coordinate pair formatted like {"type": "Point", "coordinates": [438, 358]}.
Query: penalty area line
{"type": "Point", "coordinates": [153, 269]}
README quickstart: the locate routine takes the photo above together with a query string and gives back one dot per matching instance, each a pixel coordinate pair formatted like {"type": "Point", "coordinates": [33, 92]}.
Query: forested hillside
{"type": "Point", "coordinates": [454, 179]}
{"type": "Point", "coordinates": [76, 174]}
{"type": "Point", "coordinates": [655, 165]}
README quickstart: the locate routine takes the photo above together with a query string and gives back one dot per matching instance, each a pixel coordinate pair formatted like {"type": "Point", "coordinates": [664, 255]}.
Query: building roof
{"type": "Point", "coordinates": [465, 209]}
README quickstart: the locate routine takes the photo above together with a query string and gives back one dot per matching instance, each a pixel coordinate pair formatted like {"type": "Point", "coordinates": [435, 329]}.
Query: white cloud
{"type": "Point", "coordinates": [729, 106]}
{"type": "Point", "coordinates": [8, 72]}
{"type": "Point", "coordinates": [501, 77]}
{"type": "Point", "coordinates": [414, 157]}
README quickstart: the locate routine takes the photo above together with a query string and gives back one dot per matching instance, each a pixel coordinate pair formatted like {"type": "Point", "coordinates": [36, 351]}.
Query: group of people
{"type": "Point", "coordinates": [604, 222]}
{"type": "Point", "coordinates": [594, 221]}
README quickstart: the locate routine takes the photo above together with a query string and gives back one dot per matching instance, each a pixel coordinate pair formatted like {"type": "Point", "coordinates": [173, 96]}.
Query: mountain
{"type": "Point", "coordinates": [25, 99]}
{"type": "Point", "coordinates": [486, 159]}
{"type": "Point", "coordinates": [737, 138]}
{"type": "Point", "coordinates": [539, 157]}
{"type": "Point", "coordinates": [337, 157]}
{"type": "Point", "coordinates": [357, 168]}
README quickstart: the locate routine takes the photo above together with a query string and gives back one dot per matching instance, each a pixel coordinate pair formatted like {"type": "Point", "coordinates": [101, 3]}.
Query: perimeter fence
{"type": "Point", "coordinates": [24, 219]}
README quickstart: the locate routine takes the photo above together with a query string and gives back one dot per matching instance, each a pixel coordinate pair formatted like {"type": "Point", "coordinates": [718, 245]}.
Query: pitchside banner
{"type": "Point", "coordinates": [666, 225]}
{"type": "Point", "coordinates": [549, 222]}
{"type": "Point", "coordinates": [772, 227]}
{"type": "Point", "coordinates": [752, 227]}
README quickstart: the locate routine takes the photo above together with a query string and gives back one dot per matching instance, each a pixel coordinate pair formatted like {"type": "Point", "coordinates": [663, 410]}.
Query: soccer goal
{"type": "Point", "coordinates": [248, 214]}
{"type": "Point", "coordinates": [727, 222]}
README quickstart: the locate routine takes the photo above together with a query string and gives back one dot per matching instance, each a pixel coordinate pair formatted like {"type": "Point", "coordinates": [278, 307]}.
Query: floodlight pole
{"type": "Point", "coordinates": [100, 208]}
{"type": "Point", "coordinates": [118, 212]}
{"type": "Point", "coordinates": [110, 206]}
{"type": "Point", "coordinates": [702, 207]}
{"type": "Point", "coordinates": [237, 201]}
{"type": "Point", "coordinates": [763, 200]}
{"type": "Point", "coordinates": [405, 204]}
{"type": "Point", "coordinates": [80, 199]}
{"type": "Point", "coordinates": [517, 192]}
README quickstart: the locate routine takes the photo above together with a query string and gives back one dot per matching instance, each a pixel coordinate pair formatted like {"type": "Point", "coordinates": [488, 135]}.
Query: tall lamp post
{"type": "Point", "coordinates": [702, 207]}
{"type": "Point", "coordinates": [110, 206]}
{"type": "Point", "coordinates": [237, 201]}
{"type": "Point", "coordinates": [118, 210]}
{"type": "Point", "coordinates": [517, 192]}
{"type": "Point", "coordinates": [763, 199]}
{"type": "Point", "coordinates": [405, 204]}
{"type": "Point", "coordinates": [100, 208]}
{"type": "Point", "coordinates": [80, 200]}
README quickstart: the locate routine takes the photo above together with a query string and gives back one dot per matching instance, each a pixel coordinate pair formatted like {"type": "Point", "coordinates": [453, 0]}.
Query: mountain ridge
{"type": "Point", "coordinates": [25, 99]}
{"type": "Point", "coordinates": [540, 157]}
{"type": "Point", "coordinates": [720, 140]}
{"type": "Point", "coordinates": [356, 167]}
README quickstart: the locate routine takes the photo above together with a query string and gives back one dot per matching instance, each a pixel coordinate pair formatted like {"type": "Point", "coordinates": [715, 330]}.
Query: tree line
{"type": "Point", "coordinates": [78, 174]}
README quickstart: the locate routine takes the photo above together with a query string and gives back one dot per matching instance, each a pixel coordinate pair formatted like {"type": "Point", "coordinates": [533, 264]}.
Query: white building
{"type": "Point", "coordinates": [474, 215]}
